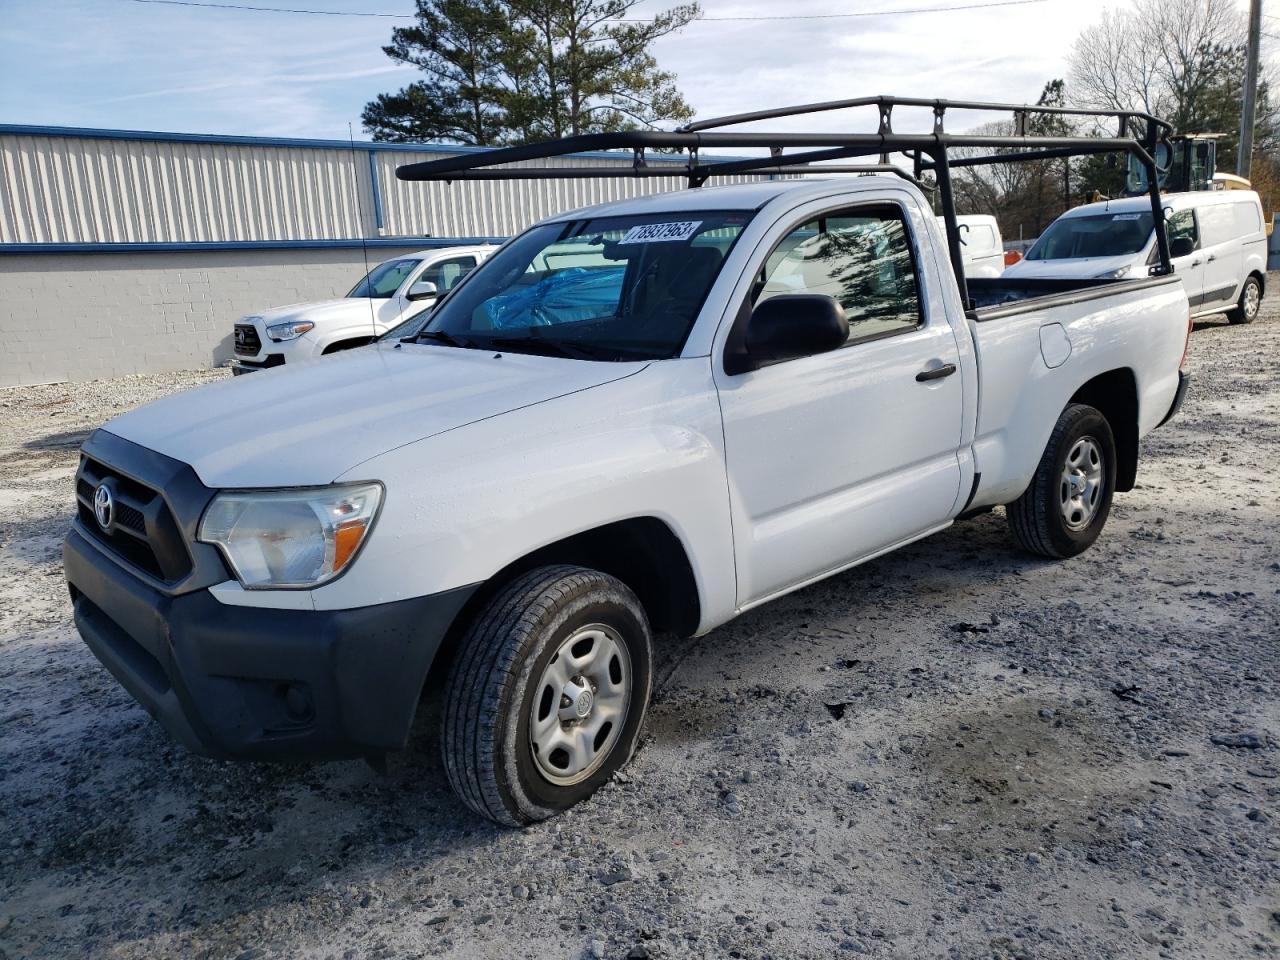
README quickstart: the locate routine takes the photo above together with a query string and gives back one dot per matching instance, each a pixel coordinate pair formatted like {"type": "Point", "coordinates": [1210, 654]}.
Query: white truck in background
{"type": "Point", "coordinates": [390, 293]}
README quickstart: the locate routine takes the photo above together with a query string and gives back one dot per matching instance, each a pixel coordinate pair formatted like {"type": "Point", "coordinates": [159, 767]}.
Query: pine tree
{"type": "Point", "coordinates": [506, 71]}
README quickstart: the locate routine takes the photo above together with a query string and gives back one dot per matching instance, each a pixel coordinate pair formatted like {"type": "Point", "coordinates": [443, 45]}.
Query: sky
{"type": "Point", "coordinates": [125, 64]}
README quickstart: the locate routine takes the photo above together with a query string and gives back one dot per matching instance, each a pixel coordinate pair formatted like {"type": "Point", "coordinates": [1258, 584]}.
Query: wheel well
{"type": "Point", "coordinates": [347, 344]}
{"type": "Point", "coordinates": [1115, 395]}
{"type": "Point", "coordinates": [642, 552]}
{"type": "Point", "coordinates": [1262, 281]}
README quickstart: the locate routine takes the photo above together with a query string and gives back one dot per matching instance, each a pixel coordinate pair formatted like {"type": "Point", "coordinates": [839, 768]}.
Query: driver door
{"type": "Point", "coordinates": [836, 456]}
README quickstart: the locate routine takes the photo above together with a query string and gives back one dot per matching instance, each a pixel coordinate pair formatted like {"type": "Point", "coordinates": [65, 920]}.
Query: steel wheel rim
{"type": "Point", "coordinates": [1252, 299]}
{"type": "Point", "coordinates": [580, 704]}
{"type": "Point", "coordinates": [1080, 491]}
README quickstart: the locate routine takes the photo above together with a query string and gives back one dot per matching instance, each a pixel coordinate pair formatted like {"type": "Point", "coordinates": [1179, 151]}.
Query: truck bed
{"type": "Point", "coordinates": [1039, 341]}
{"type": "Point", "coordinates": [1002, 296]}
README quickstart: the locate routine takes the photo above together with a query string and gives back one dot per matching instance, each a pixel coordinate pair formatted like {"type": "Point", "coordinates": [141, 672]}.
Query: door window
{"type": "Point", "coordinates": [1182, 225]}
{"type": "Point", "coordinates": [446, 273]}
{"type": "Point", "coordinates": [861, 257]}
{"type": "Point", "coordinates": [384, 279]}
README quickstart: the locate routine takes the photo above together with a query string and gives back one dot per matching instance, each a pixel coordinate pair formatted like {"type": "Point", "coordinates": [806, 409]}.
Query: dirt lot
{"type": "Point", "coordinates": [955, 751]}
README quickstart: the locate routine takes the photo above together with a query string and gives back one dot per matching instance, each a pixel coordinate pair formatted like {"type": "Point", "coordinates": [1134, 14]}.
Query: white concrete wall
{"type": "Point", "coordinates": [90, 315]}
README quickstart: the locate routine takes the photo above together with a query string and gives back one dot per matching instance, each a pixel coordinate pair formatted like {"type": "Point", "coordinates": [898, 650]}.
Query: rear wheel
{"type": "Point", "coordinates": [547, 696]}
{"type": "Point", "coordinates": [1068, 501]}
{"type": "Point", "coordinates": [1246, 308]}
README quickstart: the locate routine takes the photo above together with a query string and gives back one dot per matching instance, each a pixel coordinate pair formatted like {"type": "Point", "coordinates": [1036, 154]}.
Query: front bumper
{"type": "Point", "coordinates": [256, 683]}
{"type": "Point", "coordinates": [1184, 381]}
{"type": "Point", "coordinates": [239, 366]}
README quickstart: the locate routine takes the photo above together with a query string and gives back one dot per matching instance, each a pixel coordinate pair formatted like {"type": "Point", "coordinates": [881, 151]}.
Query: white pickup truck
{"type": "Point", "coordinates": [391, 292]}
{"type": "Point", "coordinates": [643, 417]}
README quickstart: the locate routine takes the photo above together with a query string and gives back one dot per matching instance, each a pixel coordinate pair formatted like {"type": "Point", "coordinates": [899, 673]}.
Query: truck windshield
{"type": "Point", "coordinates": [611, 288]}
{"type": "Point", "coordinates": [384, 279]}
{"type": "Point", "coordinates": [1105, 235]}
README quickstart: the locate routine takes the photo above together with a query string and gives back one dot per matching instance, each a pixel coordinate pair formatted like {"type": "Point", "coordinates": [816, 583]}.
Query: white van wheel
{"type": "Point", "coordinates": [1250, 301]}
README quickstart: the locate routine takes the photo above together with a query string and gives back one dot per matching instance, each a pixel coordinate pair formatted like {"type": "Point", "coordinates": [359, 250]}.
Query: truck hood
{"type": "Point", "coordinates": [1077, 269]}
{"type": "Point", "coordinates": [312, 423]}
{"type": "Point", "coordinates": [345, 308]}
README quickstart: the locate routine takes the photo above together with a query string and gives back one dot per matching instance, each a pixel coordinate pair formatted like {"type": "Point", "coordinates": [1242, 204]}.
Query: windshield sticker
{"type": "Point", "coordinates": [1127, 216]}
{"type": "Point", "coordinates": [661, 232]}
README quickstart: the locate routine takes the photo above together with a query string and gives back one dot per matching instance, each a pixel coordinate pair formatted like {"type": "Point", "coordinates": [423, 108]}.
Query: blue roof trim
{"type": "Point", "coordinates": [94, 133]}
{"type": "Point", "coordinates": [416, 243]}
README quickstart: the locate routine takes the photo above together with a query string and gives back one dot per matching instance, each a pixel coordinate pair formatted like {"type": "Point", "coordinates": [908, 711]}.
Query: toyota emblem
{"type": "Point", "coordinates": [104, 506]}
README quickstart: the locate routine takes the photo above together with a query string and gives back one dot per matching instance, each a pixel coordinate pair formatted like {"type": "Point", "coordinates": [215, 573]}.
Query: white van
{"type": "Point", "coordinates": [1217, 244]}
{"type": "Point", "coordinates": [980, 244]}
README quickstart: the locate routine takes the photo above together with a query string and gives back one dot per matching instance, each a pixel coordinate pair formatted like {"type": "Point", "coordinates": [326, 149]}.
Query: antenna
{"type": "Point", "coordinates": [364, 243]}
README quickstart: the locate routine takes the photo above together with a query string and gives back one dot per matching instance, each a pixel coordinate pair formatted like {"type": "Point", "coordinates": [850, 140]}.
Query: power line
{"type": "Point", "coordinates": [883, 13]}
{"type": "Point", "coordinates": [409, 16]}
{"type": "Point", "coordinates": [242, 6]}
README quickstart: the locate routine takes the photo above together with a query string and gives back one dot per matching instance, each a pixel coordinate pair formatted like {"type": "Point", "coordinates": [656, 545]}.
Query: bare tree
{"type": "Point", "coordinates": [1112, 66]}
{"type": "Point", "coordinates": [1160, 56]}
{"type": "Point", "coordinates": [1026, 196]}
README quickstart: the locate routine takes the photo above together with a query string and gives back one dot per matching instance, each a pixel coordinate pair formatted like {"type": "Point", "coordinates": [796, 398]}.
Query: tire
{"type": "Point", "coordinates": [1066, 505]}
{"type": "Point", "coordinates": [520, 675]}
{"type": "Point", "coordinates": [1246, 308]}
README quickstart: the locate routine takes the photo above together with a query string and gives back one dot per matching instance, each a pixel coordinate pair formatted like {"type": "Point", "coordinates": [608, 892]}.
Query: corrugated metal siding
{"type": "Point", "coordinates": [70, 190]}
{"type": "Point", "coordinates": [95, 189]}
{"type": "Point", "coordinates": [498, 207]}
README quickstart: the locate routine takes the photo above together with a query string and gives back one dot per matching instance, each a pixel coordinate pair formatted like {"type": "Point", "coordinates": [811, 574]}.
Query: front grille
{"type": "Point", "coordinates": [142, 531]}
{"type": "Point", "coordinates": [248, 343]}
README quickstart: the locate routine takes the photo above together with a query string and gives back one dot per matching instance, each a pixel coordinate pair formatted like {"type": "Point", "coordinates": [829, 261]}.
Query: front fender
{"type": "Point", "coordinates": [462, 505]}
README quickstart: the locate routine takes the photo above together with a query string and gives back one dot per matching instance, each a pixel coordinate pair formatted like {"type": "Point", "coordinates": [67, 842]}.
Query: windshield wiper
{"type": "Point", "coordinates": [557, 348]}
{"type": "Point", "coordinates": [439, 336]}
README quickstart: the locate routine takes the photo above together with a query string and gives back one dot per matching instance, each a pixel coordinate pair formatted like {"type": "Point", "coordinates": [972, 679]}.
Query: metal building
{"type": "Point", "coordinates": [134, 252]}
{"type": "Point", "coordinates": [74, 186]}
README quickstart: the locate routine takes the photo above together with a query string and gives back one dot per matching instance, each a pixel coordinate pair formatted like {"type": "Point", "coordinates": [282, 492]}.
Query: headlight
{"type": "Point", "coordinates": [1114, 274]}
{"type": "Point", "coordinates": [289, 331]}
{"type": "Point", "coordinates": [291, 538]}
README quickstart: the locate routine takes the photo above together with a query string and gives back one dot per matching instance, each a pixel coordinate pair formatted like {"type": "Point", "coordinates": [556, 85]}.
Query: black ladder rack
{"type": "Point", "coordinates": [1135, 133]}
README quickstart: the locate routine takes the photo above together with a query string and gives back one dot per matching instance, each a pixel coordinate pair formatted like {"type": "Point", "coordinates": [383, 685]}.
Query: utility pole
{"type": "Point", "coordinates": [1245, 153]}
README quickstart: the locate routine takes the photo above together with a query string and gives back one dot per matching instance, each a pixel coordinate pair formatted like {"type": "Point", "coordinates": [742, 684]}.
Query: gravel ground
{"type": "Point", "coordinates": [954, 751]}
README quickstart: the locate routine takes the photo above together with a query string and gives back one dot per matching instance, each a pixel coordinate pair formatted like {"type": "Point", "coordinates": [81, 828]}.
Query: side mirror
{"type": "Point", "coordinates": [786, 327]}
{"type": "Point", "coordinates": [422, 290]}
{"type": "Point", "coordinates": [1182, 247]}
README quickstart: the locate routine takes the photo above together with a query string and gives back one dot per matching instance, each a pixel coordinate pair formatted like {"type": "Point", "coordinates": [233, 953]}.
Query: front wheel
{"type": "Point", "coordinates": [1246, 308]}
{"type": "Point", "coordinates": [1067, 503]}
{"type": "Point", "coordinates": [547, 696]}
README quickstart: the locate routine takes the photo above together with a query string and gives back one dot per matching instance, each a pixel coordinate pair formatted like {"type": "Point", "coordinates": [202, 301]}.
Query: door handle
{"type": "Point", "coordinates": [1212, 257]}
{"type": "Point", "coordinates": [1195, 263]}
{"type": "Point", "coordinates": [937, 373]}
